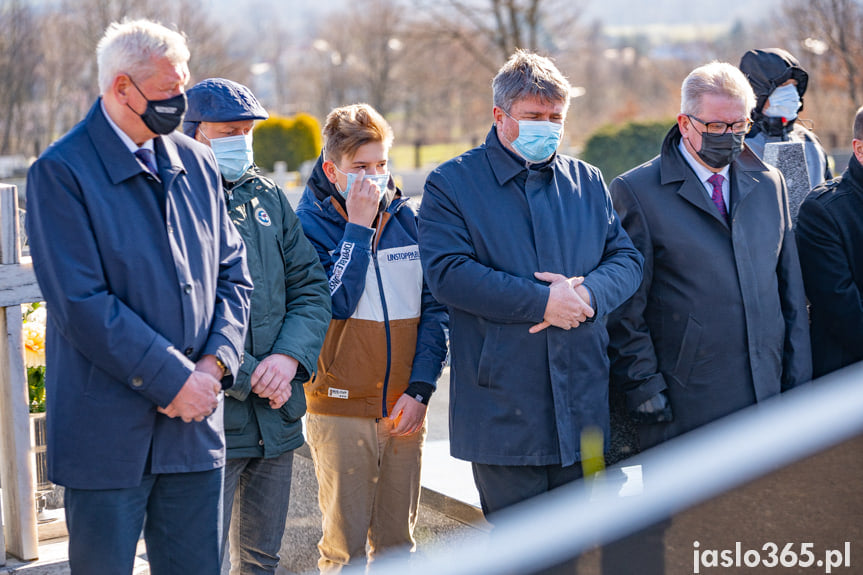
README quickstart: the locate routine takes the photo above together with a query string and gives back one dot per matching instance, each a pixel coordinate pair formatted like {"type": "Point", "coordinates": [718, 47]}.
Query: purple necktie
{"type": "Point", "coordinates": [147, 158]}
{"type": "Point", "coordinates": [716, 181]}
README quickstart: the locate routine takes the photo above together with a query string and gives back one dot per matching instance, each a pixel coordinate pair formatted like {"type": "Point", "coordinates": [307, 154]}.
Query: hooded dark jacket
{"type": "Point", "coordinates": [766, 70]}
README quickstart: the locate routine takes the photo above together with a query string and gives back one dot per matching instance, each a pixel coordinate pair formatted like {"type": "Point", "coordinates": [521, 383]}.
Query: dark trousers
{"type": "Point", "coordinates": [182, 529]}
{"type": "Point", "coordinates": [500, 486]}
{"type": "Point", "coordinates": [256, 500]}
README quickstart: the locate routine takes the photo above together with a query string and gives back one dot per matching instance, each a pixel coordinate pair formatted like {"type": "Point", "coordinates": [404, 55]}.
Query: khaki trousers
{"type": "Point", "coordinates": [368, 487]}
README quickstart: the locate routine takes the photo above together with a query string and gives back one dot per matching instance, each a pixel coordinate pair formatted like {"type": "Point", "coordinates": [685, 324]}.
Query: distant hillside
{"type": "Point", "coordinates": [613, 13]}
{"type": "Point", "coordinates": [628, 13]}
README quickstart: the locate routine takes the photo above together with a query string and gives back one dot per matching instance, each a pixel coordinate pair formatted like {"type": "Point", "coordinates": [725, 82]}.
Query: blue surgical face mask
{"type": "Point", "coordinates": [380, 179]}
{"type": "Point", "coordinates": [233, 154]}
{"type": "Point", "coordinates": [537, 140]}
{"type": "Point", "coordinates": [784, 102]}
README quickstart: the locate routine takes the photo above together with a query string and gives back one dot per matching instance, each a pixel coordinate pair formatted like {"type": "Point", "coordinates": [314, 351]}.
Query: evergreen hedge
{"type": "Point", "coordinates": [614, 149]}
{"type": "Point", "coordinates": [289, 139]}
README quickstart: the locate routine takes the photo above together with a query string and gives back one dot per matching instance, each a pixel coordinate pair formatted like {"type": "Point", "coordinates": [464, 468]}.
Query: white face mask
{"type": "Point", "coordinates": [784, 103]}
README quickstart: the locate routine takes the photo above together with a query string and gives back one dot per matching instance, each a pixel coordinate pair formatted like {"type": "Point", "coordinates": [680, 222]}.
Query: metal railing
{"type": "Point", "coordinates": [678, 475]}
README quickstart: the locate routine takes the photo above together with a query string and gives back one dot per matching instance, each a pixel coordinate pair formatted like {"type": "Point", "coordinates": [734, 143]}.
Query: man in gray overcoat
{"type": "Point", "coordinates": [719, 322]}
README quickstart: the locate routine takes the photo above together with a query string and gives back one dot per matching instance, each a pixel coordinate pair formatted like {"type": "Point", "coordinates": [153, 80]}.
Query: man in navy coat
{"type": "Point", "coordinates": [523, 245]}
{"type": "Point", "coordinates": [145, 280]}
{"type": "Point", "coordinates": [830, 240]}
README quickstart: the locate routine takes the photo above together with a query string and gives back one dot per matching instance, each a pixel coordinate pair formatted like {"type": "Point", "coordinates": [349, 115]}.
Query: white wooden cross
{"type": "Point", "coordinates": [17, 470]}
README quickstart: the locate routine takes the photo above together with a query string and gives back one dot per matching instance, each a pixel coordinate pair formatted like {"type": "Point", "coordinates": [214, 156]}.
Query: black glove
{"type": "Point", "coordinates": [654, 410]}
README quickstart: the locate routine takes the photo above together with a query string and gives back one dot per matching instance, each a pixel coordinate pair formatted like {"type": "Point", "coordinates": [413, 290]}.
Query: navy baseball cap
{"type": "Point", "coordinates": [220, 100]}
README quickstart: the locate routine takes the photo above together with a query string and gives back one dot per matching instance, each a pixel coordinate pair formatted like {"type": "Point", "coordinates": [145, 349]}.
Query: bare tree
{"type": "Point", "coordinates": [18, 58]}
{"type": "Point", "coordinates": [832, 30]}
{"type": "Point", "coordinates": [62, 96]}
{"type": "Point", "coordinates": [491, 30]}
{"type": "Point", "coordinates": [446, 95]}
{"type": "Point", "coordinates": [357, 56]}
{"type": "Point", "coordinates": [378, 48]}
{"type": "Point", "coordinates": [47, 60]}
{"type": "Point", "coordinates": [208, 41]}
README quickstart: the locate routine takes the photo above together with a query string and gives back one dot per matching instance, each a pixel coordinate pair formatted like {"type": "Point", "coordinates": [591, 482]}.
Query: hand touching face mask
{"type": "Point", "coordinates": [380, 179]}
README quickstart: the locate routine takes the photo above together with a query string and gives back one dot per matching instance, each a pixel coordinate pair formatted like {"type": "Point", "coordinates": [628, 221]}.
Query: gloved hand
{"type": "Point", "coordinates": [654, 410]}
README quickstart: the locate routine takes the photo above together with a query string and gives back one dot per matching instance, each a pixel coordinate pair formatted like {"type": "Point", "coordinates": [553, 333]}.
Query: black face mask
{"type": "Point", "coordinates": [719, 150]}
{"type": "Point", "coordinates": [162, 116]}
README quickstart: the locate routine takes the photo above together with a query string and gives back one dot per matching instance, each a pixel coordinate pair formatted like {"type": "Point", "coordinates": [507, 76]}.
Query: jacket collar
{"type": "Point", "coordinates": [119, 163]}
{"type": "Point", "coordinates": [854, 174]}
{"type": "Point", "coordinates": [772, 127]}
{"type": "Point", "coordinates": [320, 186]}
{"type": "Point", "coordinates": [674, 168]}
{"type": "Point", "coordinates": [168, 158]}
{"type": "Point", "coordinates": [247, 187]}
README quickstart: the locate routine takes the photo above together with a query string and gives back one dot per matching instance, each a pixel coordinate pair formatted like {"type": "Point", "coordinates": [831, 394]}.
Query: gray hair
{"type": "Point", "coordinates": [130, 47]}
{"type": "Point", "coordinates": [525, 75]}
{"type": "Point", "coordinates": [858, 124]}
{"type": "Point", "coordinates": [718, 78]}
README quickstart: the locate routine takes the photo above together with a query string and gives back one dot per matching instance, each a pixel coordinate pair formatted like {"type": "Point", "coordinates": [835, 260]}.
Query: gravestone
{"type": "Point", "coordinates": [790, 159]}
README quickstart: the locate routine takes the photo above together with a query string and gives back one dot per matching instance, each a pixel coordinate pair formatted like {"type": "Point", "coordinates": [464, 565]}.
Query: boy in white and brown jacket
{"type": "Point", "coordinates": [384, 350]}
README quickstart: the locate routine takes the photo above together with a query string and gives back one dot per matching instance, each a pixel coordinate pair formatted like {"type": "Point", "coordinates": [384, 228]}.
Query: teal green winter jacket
{"type": "Point", "coordinates": [290, 312]}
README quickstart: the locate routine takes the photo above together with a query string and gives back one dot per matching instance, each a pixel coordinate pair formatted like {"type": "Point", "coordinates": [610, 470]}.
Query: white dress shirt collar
{"type": "Point", "coordinates": [148, 145]}
{"type": "Point", "coordinates": [703, 174]}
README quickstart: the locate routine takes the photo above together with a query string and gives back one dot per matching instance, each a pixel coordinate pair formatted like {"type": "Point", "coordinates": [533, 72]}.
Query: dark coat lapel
{"type": "Point", "coordinates": [674, 168]}
{"type": "Point", "coordinates": [743, 177]}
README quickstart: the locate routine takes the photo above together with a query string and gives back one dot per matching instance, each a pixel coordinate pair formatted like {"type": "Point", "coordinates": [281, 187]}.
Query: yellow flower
{"type": "Point", "coordinates": [34, 343]}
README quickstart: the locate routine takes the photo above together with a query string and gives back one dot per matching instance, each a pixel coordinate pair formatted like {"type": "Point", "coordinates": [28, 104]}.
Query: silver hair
{"type": "Point", "coordinates": [718, 78]}
{"type": "Point", "coordinates": [858, 124]}
{"type": "Point", "coordinates": [527, 74]}
{"type": "Point", "coordinates": [129, 47]}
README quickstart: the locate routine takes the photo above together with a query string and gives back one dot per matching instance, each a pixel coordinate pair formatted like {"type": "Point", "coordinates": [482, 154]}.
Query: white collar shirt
{"type": "Point", "coordinates": [703, 174]}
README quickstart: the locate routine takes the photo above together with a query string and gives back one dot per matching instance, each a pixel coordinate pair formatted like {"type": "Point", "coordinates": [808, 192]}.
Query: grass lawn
{"type": "Point", "coordinates": [403, 156]}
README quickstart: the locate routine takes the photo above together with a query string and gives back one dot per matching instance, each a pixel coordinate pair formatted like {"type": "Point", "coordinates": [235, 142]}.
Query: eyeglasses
{"type": "Point", "coordinates": [738, 128]}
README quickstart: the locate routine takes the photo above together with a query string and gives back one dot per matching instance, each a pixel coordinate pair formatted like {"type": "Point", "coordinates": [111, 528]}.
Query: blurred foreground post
{"type": "Point", "coordinates": [17, 478]}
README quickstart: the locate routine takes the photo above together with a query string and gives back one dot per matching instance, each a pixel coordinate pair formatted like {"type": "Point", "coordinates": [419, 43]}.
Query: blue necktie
{"type": "Point", "coordinates": [148, 159]}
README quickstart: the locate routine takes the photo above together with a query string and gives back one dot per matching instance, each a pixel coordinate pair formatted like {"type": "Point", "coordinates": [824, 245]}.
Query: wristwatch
{"type": "Point", "coordinates": [223, 367]}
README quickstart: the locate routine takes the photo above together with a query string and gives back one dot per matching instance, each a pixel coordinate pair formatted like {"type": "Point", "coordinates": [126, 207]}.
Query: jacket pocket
{"type": "Point", "coordinates": [487, 357]}
{"type": "Point", "coordinates": [295, 407]}
{"type": "Point", "coordinates": [236, 415]}
{"type": "Point", "coordinates": [688, 349]}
